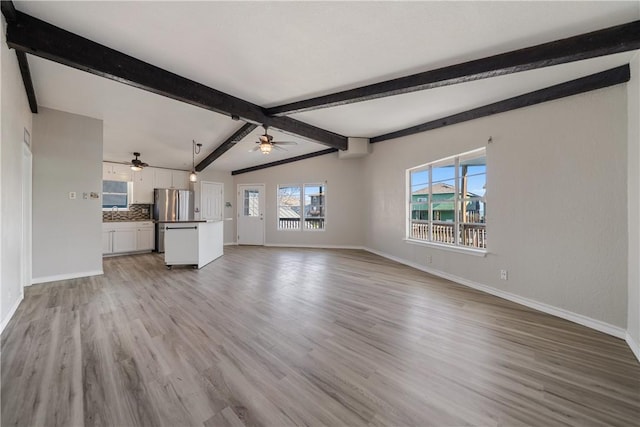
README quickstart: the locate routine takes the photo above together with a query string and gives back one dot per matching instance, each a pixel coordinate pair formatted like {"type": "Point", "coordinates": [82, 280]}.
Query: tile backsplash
{"type": "Point", "coordinates": [135, 213]}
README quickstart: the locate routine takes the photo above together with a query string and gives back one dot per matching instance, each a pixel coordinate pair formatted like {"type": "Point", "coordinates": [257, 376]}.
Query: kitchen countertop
{"type": "Point", "coordinates": [128, 220]}
{"type": "Point", "coordinates": [161, 222]}
{"type": "Point", "coordinates": [193, 220]}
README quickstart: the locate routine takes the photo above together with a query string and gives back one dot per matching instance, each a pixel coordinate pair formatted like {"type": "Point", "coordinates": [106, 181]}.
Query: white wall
{"type": "Point", "coordinates": [229, 196]}
{"type": "Point", "coordinates": [344, 200]}
{"type": "Point", "coordinates": [16, 116]}
{"type": "Point", "coordinates": [633, 99]}
{"type": "Point", "coordinates": [67, 156]}
{"type": "Point", "coordinates": [557, 208]}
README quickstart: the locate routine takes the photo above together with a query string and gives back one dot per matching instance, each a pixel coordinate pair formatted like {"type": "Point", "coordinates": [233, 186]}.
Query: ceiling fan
{"type": "Point", "coordinates": [137, 164]}
{"type": "Point", "coordinates": [266, 143]}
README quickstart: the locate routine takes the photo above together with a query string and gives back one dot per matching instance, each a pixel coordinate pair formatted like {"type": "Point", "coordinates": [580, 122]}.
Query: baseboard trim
{"type": "Point", "coordinates": [633, 345]}
{"type": "Point", "coordinates": [230, 244]}
{"type": "Point", "coordinates": [292, 245]}
{"type": "Point", "coordinates": [545, 308]}
{"type": "Point", "coordinates": [68, 276]}
{"type": "Point", "coordinates": [9, 315]}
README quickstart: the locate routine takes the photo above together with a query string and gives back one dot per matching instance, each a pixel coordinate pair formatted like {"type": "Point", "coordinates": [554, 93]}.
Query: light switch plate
{"type": "Point", "coordinates": [72, 195]}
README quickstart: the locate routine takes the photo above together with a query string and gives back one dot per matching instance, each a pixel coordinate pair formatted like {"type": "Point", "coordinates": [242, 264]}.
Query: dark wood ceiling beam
{"type": "Point", "coordinates": [601, 80]}
{"type": "Point", "coordinates": [237, 136]}
{"type": "Point", "coordinates": [620, 38]}
{"type": "Point", "coordinates": [39, 38]}
{"type": "Point", "coordinates": [285, 161]}
{"type": "Point", "coordinates": [26, 79]}
{"type": "Point", "coordinates": [10, 15]}
{"type": "Point", "coordinates": [8, 10]}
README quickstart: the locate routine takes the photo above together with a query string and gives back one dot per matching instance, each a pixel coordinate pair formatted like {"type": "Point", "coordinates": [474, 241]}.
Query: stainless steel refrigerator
{"type": "Point", "coordinates": [170, 205]}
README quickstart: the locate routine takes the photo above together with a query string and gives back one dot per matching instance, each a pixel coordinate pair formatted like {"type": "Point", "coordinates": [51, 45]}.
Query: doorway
{"type": "Point", "coordinates": [25, 263]}
{"type": "Point", "coordinates": [250, 214]}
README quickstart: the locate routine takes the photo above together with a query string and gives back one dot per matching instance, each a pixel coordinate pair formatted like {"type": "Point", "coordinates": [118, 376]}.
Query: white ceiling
{"type": "Point", "coordinates": [271, 53]}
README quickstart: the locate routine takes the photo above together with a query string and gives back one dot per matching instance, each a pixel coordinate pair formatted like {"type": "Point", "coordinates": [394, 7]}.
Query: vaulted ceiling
{"type": "Point", "coordinates": [274, 53]}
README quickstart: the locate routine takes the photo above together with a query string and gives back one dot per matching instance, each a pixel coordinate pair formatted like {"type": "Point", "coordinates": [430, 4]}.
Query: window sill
{"type": "Point", "coordinates": [450, 248]}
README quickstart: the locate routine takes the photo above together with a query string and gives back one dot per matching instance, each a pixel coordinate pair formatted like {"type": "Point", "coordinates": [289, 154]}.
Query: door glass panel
{"type": "Point", "coordinates": [251, 203]}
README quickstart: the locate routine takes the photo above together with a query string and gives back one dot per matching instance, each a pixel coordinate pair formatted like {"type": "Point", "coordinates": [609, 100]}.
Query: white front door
{"type": "Point", "coordinates": [251, 214]}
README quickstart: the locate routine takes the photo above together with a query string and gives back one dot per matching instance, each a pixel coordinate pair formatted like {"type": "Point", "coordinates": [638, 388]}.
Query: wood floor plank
{"type": "Point", "coordinates": [278, 336]}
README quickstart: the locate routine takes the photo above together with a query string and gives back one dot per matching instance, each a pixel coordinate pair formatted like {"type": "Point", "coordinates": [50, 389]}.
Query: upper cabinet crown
{"type": "Point", "coordinates": [116, 172]}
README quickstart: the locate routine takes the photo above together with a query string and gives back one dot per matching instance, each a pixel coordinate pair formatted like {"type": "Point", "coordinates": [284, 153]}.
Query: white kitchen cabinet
{"type": "Point", "coordinates": [162, 178]}
{"type": "Point", "coordinates": [193, 243]}
{"type": "Point", "coordinates": [107, 248]}
{"type": "Point", "coordinates": [116, 172]}
{"type": "Point", "coordinates": [143, 185]}
{"type": "Point", "coordinates": [124, 240]}
{"type": "Point", "coordinates": [180, 180]}
{"type": "Point", "coordinates": [167, 178]}
{"type": "Point", "coordinates": [145, 238]}
{"type": "Point", "coordinates": [127, 237]}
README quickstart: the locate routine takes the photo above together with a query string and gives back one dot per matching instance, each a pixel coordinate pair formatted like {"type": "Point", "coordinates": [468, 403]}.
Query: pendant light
{"type": "Point", "coordinates": [193, 177]}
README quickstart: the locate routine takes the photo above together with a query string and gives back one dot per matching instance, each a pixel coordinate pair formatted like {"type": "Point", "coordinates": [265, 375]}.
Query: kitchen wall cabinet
{"type": "Point", "coordinates": [167, 178]}
{"type": "Point", "coordinates": [116, 172]}
{"type": "Point", "coordinates": [143, 185]}
{"type": "Point", "coordinates": [180, 180]}
{"type": "Point", "coordinates": [127, 237]}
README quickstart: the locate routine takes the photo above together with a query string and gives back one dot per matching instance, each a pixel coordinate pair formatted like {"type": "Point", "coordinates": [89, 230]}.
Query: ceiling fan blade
{"type": "Point", "coordinates": [285, 142]}
{"type": "Point", "coordinates": [277, 147]}
{"type": "Point", "coordinates": [256, 148]}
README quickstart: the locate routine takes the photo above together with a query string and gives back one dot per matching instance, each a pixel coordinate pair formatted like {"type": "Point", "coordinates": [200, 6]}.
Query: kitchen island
{"type": "Point", "coordinates": [194, 243]}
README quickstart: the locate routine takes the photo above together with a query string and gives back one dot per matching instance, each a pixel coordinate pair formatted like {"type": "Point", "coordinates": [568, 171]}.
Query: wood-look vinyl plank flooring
{"type": "Point", "coordinates": [310, 337]}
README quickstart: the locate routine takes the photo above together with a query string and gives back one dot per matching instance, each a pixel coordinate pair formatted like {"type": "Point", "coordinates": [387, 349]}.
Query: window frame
{"type": "Point", "coordinates": [458, 200]}
{"type": "Point", "coordinates": [129, 195]}
{"type": "Point", "coordinates": [303, 216]}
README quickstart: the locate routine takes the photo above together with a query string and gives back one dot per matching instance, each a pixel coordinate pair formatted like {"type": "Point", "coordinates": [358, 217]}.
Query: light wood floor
{"type": "Point", "coordinates": [276, 337]}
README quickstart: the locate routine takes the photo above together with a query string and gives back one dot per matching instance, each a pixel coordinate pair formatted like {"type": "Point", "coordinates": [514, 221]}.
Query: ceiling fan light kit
{"type": "Point", "coordinates": [265, 147]}
{"type": "Point", "coordinates": [266, 143]}
{"type": "Point", "coordinates": [136, 164]}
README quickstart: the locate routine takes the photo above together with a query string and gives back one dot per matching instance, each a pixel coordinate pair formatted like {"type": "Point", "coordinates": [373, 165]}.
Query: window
{"type": "Point", "coordinates": [447, 201]}
{"type": "Point", "coordinates": [301, 207]}
{"type": "Point", "coordinates": [115, 194]}
{"type": "Point", "coordinates": [251, 203]}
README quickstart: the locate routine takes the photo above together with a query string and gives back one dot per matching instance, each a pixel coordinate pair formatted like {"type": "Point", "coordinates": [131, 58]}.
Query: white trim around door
{"type": "Point", "coordinates": [251, 209]}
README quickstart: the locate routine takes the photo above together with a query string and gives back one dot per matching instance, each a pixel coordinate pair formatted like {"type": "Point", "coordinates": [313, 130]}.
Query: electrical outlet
{"type": "Point", "coordinates": [72, 195]}
{"type": "Point", "coordinates": [504, 275]}
{"type": "Point", "coordinates": [429, 259]}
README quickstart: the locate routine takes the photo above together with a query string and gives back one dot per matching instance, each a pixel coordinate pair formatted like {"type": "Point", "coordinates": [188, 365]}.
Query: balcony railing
{"type": "Point", "coordinates": [294, 224]}
{"type": "Point", "coordinates": [472, 235]}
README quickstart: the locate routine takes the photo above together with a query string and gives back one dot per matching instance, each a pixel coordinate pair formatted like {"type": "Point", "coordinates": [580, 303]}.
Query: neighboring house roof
{"type": "Point", "coordinates": [287, 212]}
{"type": "Point", "coordinates": [440, 188]}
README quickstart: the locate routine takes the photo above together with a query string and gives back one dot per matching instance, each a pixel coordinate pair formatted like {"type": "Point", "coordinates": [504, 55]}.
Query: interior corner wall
{"type": "Point", "coordinates": [344, 201]}
{"type": "Point", "coordinates": [633, 100]}
{"type": "Point", "coordinates": [16, 117]}
{"type": "Point", "coordinates": [67, 234]}
{"type": "Point", "coordinates": [556, 204]}
{"type": "Point", "coordinates": [229, 196]}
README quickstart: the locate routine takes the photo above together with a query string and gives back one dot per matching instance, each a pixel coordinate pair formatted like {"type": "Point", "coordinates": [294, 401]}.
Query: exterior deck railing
{"type": "Point", "coordinates": [294, 223]}
{"type": "Point", "coordinates": [472, 235]}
